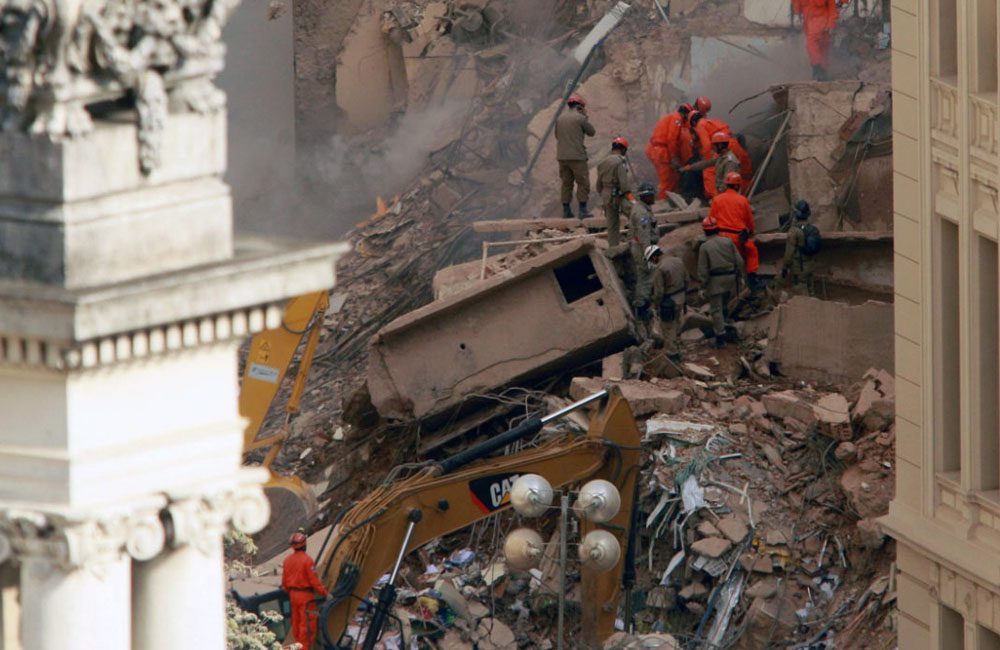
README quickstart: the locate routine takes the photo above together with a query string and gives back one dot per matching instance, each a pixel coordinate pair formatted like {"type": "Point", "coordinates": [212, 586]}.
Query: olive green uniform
{"type": "Point", "coordinates": [571, 152]}
{"type": "Point", "coordinates": [727, 162]}
{"type": "Point", "coordinates": [719, 269]}
{"type": "Point", "coordinates": [669, 287]}
{"type": "Point", "coordinates": [799, 266]}
{"type": "Point", "coordinates": [613, 184]}
{"type": "Point", "coordinates": [641, 233]}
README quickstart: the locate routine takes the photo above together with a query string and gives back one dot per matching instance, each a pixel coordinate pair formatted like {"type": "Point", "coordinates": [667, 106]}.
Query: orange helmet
{"type": "Point", "coordinates": [703, 104]}
{"type": "Point", "coordinates": [719, 137]}
{"type": "Point", "coordinates": [298, 540]}
{"type": "Point", "coordinates": [709, 223]}
{"type": "Point", "coordinates": [576, 99]}
{"type": "Point", "coordinates": [620, 142]}
{"type": "Point", "coordinates": [734, 178]}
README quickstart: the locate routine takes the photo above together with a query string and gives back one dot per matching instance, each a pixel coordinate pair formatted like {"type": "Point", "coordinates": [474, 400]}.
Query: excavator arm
{"type": "Point", "coordinates": [462, 490]}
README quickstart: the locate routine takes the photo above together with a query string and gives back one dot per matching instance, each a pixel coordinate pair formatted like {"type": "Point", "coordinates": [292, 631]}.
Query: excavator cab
{"type": "Point", "coordinates": [270, 356]}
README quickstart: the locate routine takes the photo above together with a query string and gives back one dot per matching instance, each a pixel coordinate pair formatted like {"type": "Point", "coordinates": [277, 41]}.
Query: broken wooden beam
{"type": "Point", "coordinates": [521, 225]}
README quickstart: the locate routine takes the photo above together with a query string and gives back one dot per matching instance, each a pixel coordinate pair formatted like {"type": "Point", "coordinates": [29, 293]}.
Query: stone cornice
{"type": "Point", "coordinates": [72, 540]}
{"type": "Point", "coordinates": [47, 327]}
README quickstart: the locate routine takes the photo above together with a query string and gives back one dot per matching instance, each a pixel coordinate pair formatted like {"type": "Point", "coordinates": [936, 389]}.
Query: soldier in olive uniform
{"type": "Point", "coordinates": [669, 289]}
{"type": "Point", "coordinates": [614, 185]}
{"type": "Point", "coordinates": [720, 269]}
{"type": "Point", "coordinates": [797, 267]}
{"type": "Point", "coordinates": [571, 153]}
{"type": "Point", "coordinates": [642, 233]}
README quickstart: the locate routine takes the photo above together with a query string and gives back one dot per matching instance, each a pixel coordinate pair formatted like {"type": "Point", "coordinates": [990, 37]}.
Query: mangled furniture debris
{"type": "Point", "coordinates": [556, 311]}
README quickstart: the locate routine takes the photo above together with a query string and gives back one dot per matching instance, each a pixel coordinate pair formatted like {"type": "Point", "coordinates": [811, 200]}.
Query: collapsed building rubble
{"type": "Point", "coordinates": [799, 466]}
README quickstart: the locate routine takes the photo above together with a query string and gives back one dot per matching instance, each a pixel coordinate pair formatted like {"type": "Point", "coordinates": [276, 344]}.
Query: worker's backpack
{"type": "Point", "coordinates": [812, 242]}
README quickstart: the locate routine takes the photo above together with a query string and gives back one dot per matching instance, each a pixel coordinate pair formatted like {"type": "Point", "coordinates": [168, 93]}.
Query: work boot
{"type": "Point", "coordinates": [753, 283]}
{"type": "Point", "coordinates": [819, 73]}
{"type": "Point", "coordinates": [567, 211]}
{"type": "Point", "coordinates": [584, 212]}
{"type": "Point", "coordinates": [720, 341]}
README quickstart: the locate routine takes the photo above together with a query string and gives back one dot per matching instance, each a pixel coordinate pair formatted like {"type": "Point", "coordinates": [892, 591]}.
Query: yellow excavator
{"type": "Point", "coordinates": [372, 537]}
{"type": "Point", "coordinates": [268, 360]}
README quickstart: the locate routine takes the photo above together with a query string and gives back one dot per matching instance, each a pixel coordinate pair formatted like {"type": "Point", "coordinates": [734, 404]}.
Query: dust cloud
{"type": "Point", "coordinates": [340, 178]}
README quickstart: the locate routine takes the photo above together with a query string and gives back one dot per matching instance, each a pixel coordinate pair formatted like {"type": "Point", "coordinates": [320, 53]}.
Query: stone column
{"type": "Point", "coordinates": [187, 580]}
{"type": "Point", "coordinates": [75, 574]}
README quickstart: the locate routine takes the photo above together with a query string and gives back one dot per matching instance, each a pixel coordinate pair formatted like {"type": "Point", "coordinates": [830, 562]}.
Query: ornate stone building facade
{"type": "Point", "coordinates": [124, 296]}
{"type": "Point", "coordinates": [946, 513]}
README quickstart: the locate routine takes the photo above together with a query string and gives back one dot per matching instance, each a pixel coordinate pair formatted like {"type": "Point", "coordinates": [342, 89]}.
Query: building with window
{"type": "Point", "coordinates": [946, 513]}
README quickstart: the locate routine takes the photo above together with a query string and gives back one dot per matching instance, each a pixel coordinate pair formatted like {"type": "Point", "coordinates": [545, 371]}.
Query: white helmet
{"type": "Point", "coordinates": [651, 250]}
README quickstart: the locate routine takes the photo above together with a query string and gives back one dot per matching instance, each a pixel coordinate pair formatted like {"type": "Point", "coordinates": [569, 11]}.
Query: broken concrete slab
{"type": "Point", "coordinates": [734, 529]}
{"type": "Point", "coordinates": [786, 404]}
{"type": "Point", "coordinates": [693, 591]}
{"type": "Point", "coordinates": [711, 547]}
{"type": "Point", "coordinates": [644, 398]}
{"type": "Point", "coordinates": [833, 408]}
{"type": "Point", "coordinates": [853, 339]}
{"type": "Point", "coordinates": [558, 310]}
{"type": "Point", "coordinates": [861, 260]}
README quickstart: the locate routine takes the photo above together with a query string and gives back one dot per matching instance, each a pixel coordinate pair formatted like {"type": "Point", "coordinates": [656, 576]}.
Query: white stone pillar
{"type": "Point", "coordinates": [75, 574]}
{"type": "Point", "coordinates": [178, 597]}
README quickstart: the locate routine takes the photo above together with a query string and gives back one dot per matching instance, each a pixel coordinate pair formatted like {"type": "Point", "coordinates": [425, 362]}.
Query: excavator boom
{"type": "Point", "coordinates": [452, 495]}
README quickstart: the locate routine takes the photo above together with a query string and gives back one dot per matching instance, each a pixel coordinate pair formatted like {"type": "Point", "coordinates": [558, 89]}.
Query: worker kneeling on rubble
{"type": "Point", "coordinates": [803, 243]}
{"type": "Point", "coordinates": [720, 270]}
{"type": "Point", "coordinates": [669, 296]}
{"type": "Point", "coordinates": [299, 579]}
{"type": "Point", "coordinates": [614, 186]}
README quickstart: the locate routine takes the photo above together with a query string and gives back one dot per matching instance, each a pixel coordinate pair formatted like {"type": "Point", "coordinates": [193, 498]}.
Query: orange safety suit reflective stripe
{"type": "Point", "coordinates": [732, 211]}
{"type": "Point", "coordinates": [299, 579]}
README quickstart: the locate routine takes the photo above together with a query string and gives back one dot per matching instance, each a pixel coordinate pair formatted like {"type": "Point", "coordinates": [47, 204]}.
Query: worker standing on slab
{"type": "Point", "coordinates": [819, 17]}
{"type": "Point", "coordinates": [642, 234]}
{"type": "Point", "coordinates": [734, 216]}
{"type": "Point", "coordinates": [299, 579]}
{"type": "Point", "coordinates": [719, 271]}
{"type": "Point", "coordinates": [665, 149]}
{"type": "Point", "coordinates": [801, 247]}
{"type": "Point", "coordinates": [572, 127]}
{"type": "Point", "coordinates": [669, 296]}
{"type": "Point", "coordinates": [614, 186]}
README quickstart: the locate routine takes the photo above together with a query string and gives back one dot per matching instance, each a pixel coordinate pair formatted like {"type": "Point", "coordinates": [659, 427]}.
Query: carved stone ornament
{"type": "Point", "coordinates": [57, 57]}
{"type": "Point", "coordinates": [201, 521]}
{"type": "Point", "coordinates": [70, 543]}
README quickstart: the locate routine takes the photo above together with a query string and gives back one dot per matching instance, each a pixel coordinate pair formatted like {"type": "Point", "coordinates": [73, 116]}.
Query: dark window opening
{"type": "Point", "coordinates": [578, 279]}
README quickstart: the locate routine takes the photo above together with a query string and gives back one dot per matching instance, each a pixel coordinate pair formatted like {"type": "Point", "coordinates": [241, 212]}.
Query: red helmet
{"type": "Point", "coordinates": [734, 178]}
{"type": "Point", "coordinates": [685, 108]}
{"type": "Point", "coordinates": [719, 137]}
{"type": "Point", "coordinates": [709, 223]}
{"type": "Point", "coordinates": [298, 540]}
{"type": "Point", "coordinates": [620, 141]}
{"type": "Point", "coordinates": [703, 104]}
{"type": "Point", "coordinates": [576, 99]}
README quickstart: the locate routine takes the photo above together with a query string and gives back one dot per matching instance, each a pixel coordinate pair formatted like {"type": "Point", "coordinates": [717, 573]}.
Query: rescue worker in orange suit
{"type": "Point", "coordinates": [731, 210]}
{"type": "Point", "coordinates": [819, 17]}
{"type": "Point", "coordinates": [724, 160]}
{"type": "Point", "coordinates": [711, 126]}
{"type": "Point", "coordinates": [664, 149]}
{"type": "Point", "coordinates": [299, 579]}
{"type": "Point", "coordinates": [571, 153]}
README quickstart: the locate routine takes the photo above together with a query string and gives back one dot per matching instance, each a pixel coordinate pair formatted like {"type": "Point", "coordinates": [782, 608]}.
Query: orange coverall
{"type": "Point", "coordinates": [299, 579]}
{"type": "Point", "coordinates": [663, 149]}
{"type": "Point", "coordinates": [704, 130]}
{"type": "Point", "coordinates": [819, 17]}
{"type": "Point", "coordinates": [731, 210]}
